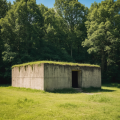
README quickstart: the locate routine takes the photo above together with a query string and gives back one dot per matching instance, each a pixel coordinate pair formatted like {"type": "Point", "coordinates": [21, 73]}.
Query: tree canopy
{"type": "Point", "coordinates": [68, 32]}
{"type": "Point", "coordinates": [103, 36]}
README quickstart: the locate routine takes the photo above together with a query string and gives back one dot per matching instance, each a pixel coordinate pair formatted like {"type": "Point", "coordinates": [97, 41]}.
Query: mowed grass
{"type": "Point", "coordinates": [28, 104]}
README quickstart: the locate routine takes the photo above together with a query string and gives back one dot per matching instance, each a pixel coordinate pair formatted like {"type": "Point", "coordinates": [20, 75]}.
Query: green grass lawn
{"type": "Point", "coordinates": [27, 104]}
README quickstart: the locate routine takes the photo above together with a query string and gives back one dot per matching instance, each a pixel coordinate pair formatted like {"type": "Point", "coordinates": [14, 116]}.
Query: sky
{"type": "Point", "coordinates": [50, 3]}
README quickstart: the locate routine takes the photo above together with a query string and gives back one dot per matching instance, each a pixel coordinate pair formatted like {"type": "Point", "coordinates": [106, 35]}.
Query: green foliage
{"type": "Point", "coordinates": [31, 32]}
{"type": "Point", "coordinates": [8, 55]}
{"type": "Point", "coordinates": [102, 33]}
{"type": "Point", "coordinates": [73, 13]}
{"type": "Point", "coordinates": [3, 8]}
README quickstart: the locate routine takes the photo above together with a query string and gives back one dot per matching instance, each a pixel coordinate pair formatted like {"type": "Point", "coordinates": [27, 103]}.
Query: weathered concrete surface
{"type": "Point", "coordinates": [28, 77]}
{"type": "Point", "coordinates": [91, 77]}
{"type": "Point", "coordinates": [57, 76]}
{"type": "Point", "coordinates": [60, 76]}
{"type": "Point", "coordinates": [54, 76]}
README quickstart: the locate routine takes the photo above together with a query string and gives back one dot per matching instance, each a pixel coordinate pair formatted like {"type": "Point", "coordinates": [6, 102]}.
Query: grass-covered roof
{"type": "Point", "coordinates": [55, 62]}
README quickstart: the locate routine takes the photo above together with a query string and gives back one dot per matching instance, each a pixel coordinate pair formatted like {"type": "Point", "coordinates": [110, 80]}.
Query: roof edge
{"type": "Point", "coordinates": [56, 62]}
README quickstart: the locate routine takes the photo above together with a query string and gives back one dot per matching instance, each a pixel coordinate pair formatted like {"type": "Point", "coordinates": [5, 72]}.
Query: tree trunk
{"type": "Point", "coordinates": [78, 49]}
{"type": "Point", "coordinates": [103, 63]}
{"type": "Point", "coordinates": [71, 51]}
{"type": "Point", "coordinates": [26, 30]}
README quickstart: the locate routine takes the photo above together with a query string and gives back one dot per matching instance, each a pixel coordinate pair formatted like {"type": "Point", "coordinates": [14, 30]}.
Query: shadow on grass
{"type": "Point", "coordinates": [71, 90]}
{"type": "Point", "coordinates": [64, 91]}
{"type": "Point", "coordinates": [84, 90]}
{"type": "Point", "coordinates": [5, 85]}
{"type": "Point", "coordinates": [96, 90]}
{"type": "Point", "coordinates": [112, 85]}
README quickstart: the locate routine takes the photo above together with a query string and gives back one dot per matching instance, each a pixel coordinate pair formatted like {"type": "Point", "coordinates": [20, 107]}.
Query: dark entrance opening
{"type": "Point", "coordinates": [75, 79]}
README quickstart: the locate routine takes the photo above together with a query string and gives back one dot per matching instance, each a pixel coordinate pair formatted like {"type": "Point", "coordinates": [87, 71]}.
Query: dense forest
{"type": "Point", "coordinates": [68, 32]}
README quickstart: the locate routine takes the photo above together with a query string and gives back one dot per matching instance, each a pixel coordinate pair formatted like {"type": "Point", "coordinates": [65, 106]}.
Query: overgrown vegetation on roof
{"type": "Point", "coordinates": [55, 62]}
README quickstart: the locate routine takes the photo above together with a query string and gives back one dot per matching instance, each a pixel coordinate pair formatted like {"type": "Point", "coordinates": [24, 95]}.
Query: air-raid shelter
{"type": "Point", "coordinates": [50, 75]}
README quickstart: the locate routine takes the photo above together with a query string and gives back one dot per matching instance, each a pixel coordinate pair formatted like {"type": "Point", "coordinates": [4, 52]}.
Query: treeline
{"type": "Point", "coordinates": [68, 32]}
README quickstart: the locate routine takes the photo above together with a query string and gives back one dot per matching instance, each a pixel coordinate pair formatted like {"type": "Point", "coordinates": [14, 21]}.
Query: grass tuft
{"type": "Point", "coordinates": [24, 102]}
{"type": "Point", "coordinates": [26, 89]}
{"type": "Point", "coordinates": [19, 68]}
{"type": "Point", "coordinates": [99, 98]}
{"type": "Point", "coordinates": [68, 105]}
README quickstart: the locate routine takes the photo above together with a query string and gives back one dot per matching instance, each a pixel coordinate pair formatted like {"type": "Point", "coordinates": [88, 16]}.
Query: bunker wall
{"type": "Point", "coordinates": [91, 77]}
{"type": "Point", "coordinates": [60, 76]}
{"type": "Point", "coordinates": [28, 77]}
{"type": "Point", "coordinates": [57, 76]}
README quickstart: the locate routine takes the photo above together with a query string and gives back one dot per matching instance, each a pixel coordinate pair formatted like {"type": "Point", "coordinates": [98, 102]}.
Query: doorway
{"type": "Point", "coordinates": [75, 79]}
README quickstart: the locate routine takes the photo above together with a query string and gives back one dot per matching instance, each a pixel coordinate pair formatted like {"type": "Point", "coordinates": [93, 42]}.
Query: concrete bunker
{"type": "Point", "coordinates": [50, 75]}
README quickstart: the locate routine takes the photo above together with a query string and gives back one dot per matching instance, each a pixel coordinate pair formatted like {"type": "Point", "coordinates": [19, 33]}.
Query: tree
{"type": "Point", "coordinates": [53, 26]}
{"type": "Point", "coordinates": [3, 10]}
{"type": "Point", "coordinates": [55, 35]}
{"type": "Point", "coordinates": [101, 32]}
{"type": "Point", "coordinates": [4, 7]}
{"type": "Point", "coordinates": [21, 24]}
{"type": "Point", "coordinates": [73, 14]}
{"type": "Point", "coordinates": [21, 32]}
